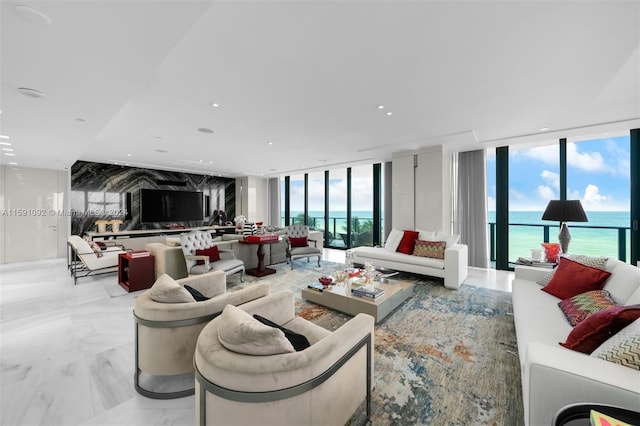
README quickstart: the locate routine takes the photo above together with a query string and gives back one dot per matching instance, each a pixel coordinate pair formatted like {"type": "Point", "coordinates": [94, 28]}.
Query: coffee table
{"type": "Point", "coordinates": [335, 297]}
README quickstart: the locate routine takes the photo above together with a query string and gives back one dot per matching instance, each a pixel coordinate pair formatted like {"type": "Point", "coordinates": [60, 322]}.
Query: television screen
{"type": "Point", "coordinates": [158, 205]}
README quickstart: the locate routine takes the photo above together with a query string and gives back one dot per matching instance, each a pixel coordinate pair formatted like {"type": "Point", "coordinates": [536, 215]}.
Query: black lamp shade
{"type": "Point", "coordinates": [565, 211]}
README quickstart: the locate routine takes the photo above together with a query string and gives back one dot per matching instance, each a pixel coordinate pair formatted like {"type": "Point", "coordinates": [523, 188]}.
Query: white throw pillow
{"type": "Point", "coordinates": [450, 239]}
{"type": "Point", "coordinates": [167, 290]}
{"type": "Point", "coordinates": [240, 332]}
{"type": "Point", "coordinates": [426, 235]}
{"type": "Point", "coordinates": [393, 240]}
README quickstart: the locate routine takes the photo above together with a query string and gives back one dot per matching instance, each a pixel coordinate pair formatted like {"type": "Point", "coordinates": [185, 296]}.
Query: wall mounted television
{"type": "Point", "coordinates": [159, 205]}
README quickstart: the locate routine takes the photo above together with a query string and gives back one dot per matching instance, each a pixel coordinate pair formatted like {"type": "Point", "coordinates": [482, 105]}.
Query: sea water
{"type": "Point", "coordinates": [586, 237]}
{"type": "Point", "coordinates": [597, 237]}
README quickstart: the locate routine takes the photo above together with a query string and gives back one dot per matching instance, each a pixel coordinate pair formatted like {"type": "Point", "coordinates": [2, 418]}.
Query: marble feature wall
{"type": "Point", "coordinates": [107, 191]}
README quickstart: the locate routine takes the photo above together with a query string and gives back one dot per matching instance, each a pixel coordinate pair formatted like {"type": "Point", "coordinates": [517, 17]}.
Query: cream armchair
{"type": "Point", "coordinates": [166, 333]}
{"type": "Point", "coordinates": [323, 384]}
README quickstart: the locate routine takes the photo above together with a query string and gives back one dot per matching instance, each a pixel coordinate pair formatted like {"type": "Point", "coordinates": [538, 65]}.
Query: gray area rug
{"type": "Point", "coordinates": [443, 357]}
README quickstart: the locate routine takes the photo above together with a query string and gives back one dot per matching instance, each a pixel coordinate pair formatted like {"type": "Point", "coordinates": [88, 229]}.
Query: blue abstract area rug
{"type": "Point", "coordinates": [443, 357]}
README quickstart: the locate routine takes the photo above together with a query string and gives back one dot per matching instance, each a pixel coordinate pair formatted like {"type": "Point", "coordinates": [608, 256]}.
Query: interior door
{"type": "Point", "coordinates": [33, 214]}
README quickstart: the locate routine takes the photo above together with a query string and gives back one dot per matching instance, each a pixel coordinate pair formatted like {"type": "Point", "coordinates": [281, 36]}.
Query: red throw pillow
{"type": "Point", "coordinates": [407, 242]}
{"type": "Point", "coordinates": [573, 278]}
{"type": "Point", "coordinates": [591, 332]}
{"type": "Point", "coordinates": [212, 252]}
{"type": "Point", "coordinates": [298, 242]}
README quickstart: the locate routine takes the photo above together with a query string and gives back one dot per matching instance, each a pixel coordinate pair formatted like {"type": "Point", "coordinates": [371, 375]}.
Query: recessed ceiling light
{"type": "Point", "coordinates": [128, 155]}
{"type": "Point", "coordinates": [4, 137]}
{"type": "Point", "coordinates": [5, 143]}
{"type": "Point", "coordinates": [269, 143]}
{"type": "Point", "coordinates": [9, 154]}
{"type": "Point", "coordinates": [7, 149]}
{"type": "Point", "coordinates": [215, 105]}
{"type": "Point", "coordinates": [13, 163]}
{"type": "Point", "coordinates": [32, 93]}
{"type": "Point", "coordinates": [33, 15]}
{"type": "Point", "coordinates": [380, 106]}
{"type": "Point", "coordinates": [544, 129]}
{"type": "Point", "coordinates": [389, 113]}
{"type": "Point", "coordinates": [205, 130]}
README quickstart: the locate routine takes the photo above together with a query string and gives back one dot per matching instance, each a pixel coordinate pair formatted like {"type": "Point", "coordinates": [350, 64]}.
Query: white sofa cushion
{"type": "Point", "coordinates": [623, 282]}
{"type": "Point", "coordinates": [450, 239]}
{"type": "Point", "coordinates": [168, 290]}
{"type": "Point", "coordinates": [240, 332]}
{"type": "Point", "coordinates": [393, 240]}
{"type": "Point", "coordinates": [401, 258]}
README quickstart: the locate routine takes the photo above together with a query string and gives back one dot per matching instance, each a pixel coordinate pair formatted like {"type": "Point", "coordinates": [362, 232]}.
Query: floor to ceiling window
{"type": "Point", "coordinates": [315, 200]}
{"type": "Point", "coordinates": [337, 193]}
{"type": "Point", "coordinates": [596, 172]}
{"type": "Point", "coordinates": [361, 206]}
{"type": "Point", "coordinates": [296, 199]}
{"type": "Point", "coordinates": [345, 203]}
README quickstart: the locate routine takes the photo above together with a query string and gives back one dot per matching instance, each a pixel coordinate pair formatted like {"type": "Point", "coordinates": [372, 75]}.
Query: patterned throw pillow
{"type": "Point", "coordinates": [249, 229]}
{"type": "Point", "coordinates": [433, 249]}
{"type": "Point", "coordinates": [594, 262]}
{"type": "Point", "coordinates": [589, 334]}
{"type": "Point", "coordinates": [623, 348]}
{"type": "Point", "coordinates": [579, 307]}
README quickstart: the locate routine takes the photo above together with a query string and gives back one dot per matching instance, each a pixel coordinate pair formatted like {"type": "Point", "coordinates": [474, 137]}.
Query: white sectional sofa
{"type": "Point", "coordinates": [554, 376]}
{"type": "Point", "coordinates": [453, 268]}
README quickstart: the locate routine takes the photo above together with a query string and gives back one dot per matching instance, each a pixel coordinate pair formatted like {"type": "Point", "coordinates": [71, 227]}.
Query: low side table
{"type": "Point", "coordinates": [260, 270]}
{"type": "Point", "coordinates": [136, 270]}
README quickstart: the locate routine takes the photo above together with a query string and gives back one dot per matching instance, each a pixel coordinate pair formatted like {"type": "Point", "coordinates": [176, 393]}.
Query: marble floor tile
{"type": "Point", "coordinates": [67, 351]}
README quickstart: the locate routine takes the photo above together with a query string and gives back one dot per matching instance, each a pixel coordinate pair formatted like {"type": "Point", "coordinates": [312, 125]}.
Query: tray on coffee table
{"type": "Point", "coordinates": [336, 297]}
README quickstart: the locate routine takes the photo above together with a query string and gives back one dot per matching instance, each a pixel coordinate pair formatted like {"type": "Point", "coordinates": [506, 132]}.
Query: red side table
{"type": "Point", "coordinates": [136, 270]}
{"type": "Point", "coordinates": [261, 270]}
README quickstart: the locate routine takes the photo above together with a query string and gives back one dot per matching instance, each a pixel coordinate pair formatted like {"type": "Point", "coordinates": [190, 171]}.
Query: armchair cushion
{"type": "Point", "coordinates": [298, 341]}
{"type": "Point", "coordinates": [241, 333]}
{"type": "Point", "coordinates": [167, 290]}
{"type": "Point", "coordinates": [298, 242]}
{"type": "Point", "coordinates": [213, 253]}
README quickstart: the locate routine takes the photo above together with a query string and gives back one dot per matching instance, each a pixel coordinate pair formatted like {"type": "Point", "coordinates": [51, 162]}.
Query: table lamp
{"type": "Point", "coordinates": [565, 211]}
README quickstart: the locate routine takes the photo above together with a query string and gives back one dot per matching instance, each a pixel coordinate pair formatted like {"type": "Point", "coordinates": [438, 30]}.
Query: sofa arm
{"type": "Point", "coordinates": [530, 273]}
{"type": "Point", "coordinates": [456, 265]}
{"type": "Point", "coordinates": [169, 260]}
{"type": "Point", "coordinates": [557, 377]}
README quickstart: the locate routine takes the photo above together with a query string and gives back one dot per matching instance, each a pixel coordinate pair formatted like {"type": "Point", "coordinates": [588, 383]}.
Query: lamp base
{"type": "Point", "coordinates": [564, 237]}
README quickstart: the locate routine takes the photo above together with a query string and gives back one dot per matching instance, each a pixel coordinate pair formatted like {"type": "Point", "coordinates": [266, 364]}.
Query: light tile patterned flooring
{"type": "Point", "coordinates": [66, 352]}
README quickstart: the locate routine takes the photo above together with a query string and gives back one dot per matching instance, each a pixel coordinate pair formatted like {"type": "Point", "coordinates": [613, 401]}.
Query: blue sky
{"type": "Point", "coordinates": [598, 174]}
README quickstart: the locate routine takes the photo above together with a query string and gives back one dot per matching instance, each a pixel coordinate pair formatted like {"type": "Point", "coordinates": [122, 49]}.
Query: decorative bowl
{"type": "Point", "coordinates": [325, 280]}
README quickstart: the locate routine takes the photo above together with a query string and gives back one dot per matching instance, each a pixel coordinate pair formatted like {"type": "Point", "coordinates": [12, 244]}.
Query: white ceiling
{"type": "Point", "coordinates": [308, 77]}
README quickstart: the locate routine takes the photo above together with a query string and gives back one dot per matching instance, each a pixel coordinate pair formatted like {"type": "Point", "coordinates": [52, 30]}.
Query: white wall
{"type": "Point", "coordinates": [422, 189]}
{"type": "Point", "coordinates": [35, 221]}
{"type": "Point", "coordinates": [252, 198]}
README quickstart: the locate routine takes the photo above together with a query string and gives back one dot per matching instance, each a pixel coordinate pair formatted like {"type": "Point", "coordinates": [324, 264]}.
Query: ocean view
{"type": "Point", "coordinates": [584, 240]}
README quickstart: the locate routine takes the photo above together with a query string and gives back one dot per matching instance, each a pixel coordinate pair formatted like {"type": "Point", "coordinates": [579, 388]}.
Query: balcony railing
{"type": "Point", "coordinates": [337, 229]}
{"type": "Point", "coordinates": [545, 231]}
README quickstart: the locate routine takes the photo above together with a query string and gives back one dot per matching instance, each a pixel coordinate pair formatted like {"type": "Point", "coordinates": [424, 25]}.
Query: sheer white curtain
{"type": "Point", "coordinates": [470, 205]}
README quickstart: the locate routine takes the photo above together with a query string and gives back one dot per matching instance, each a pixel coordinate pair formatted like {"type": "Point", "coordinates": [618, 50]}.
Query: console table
{"type": "Point", "coordinates": [136, 239]}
